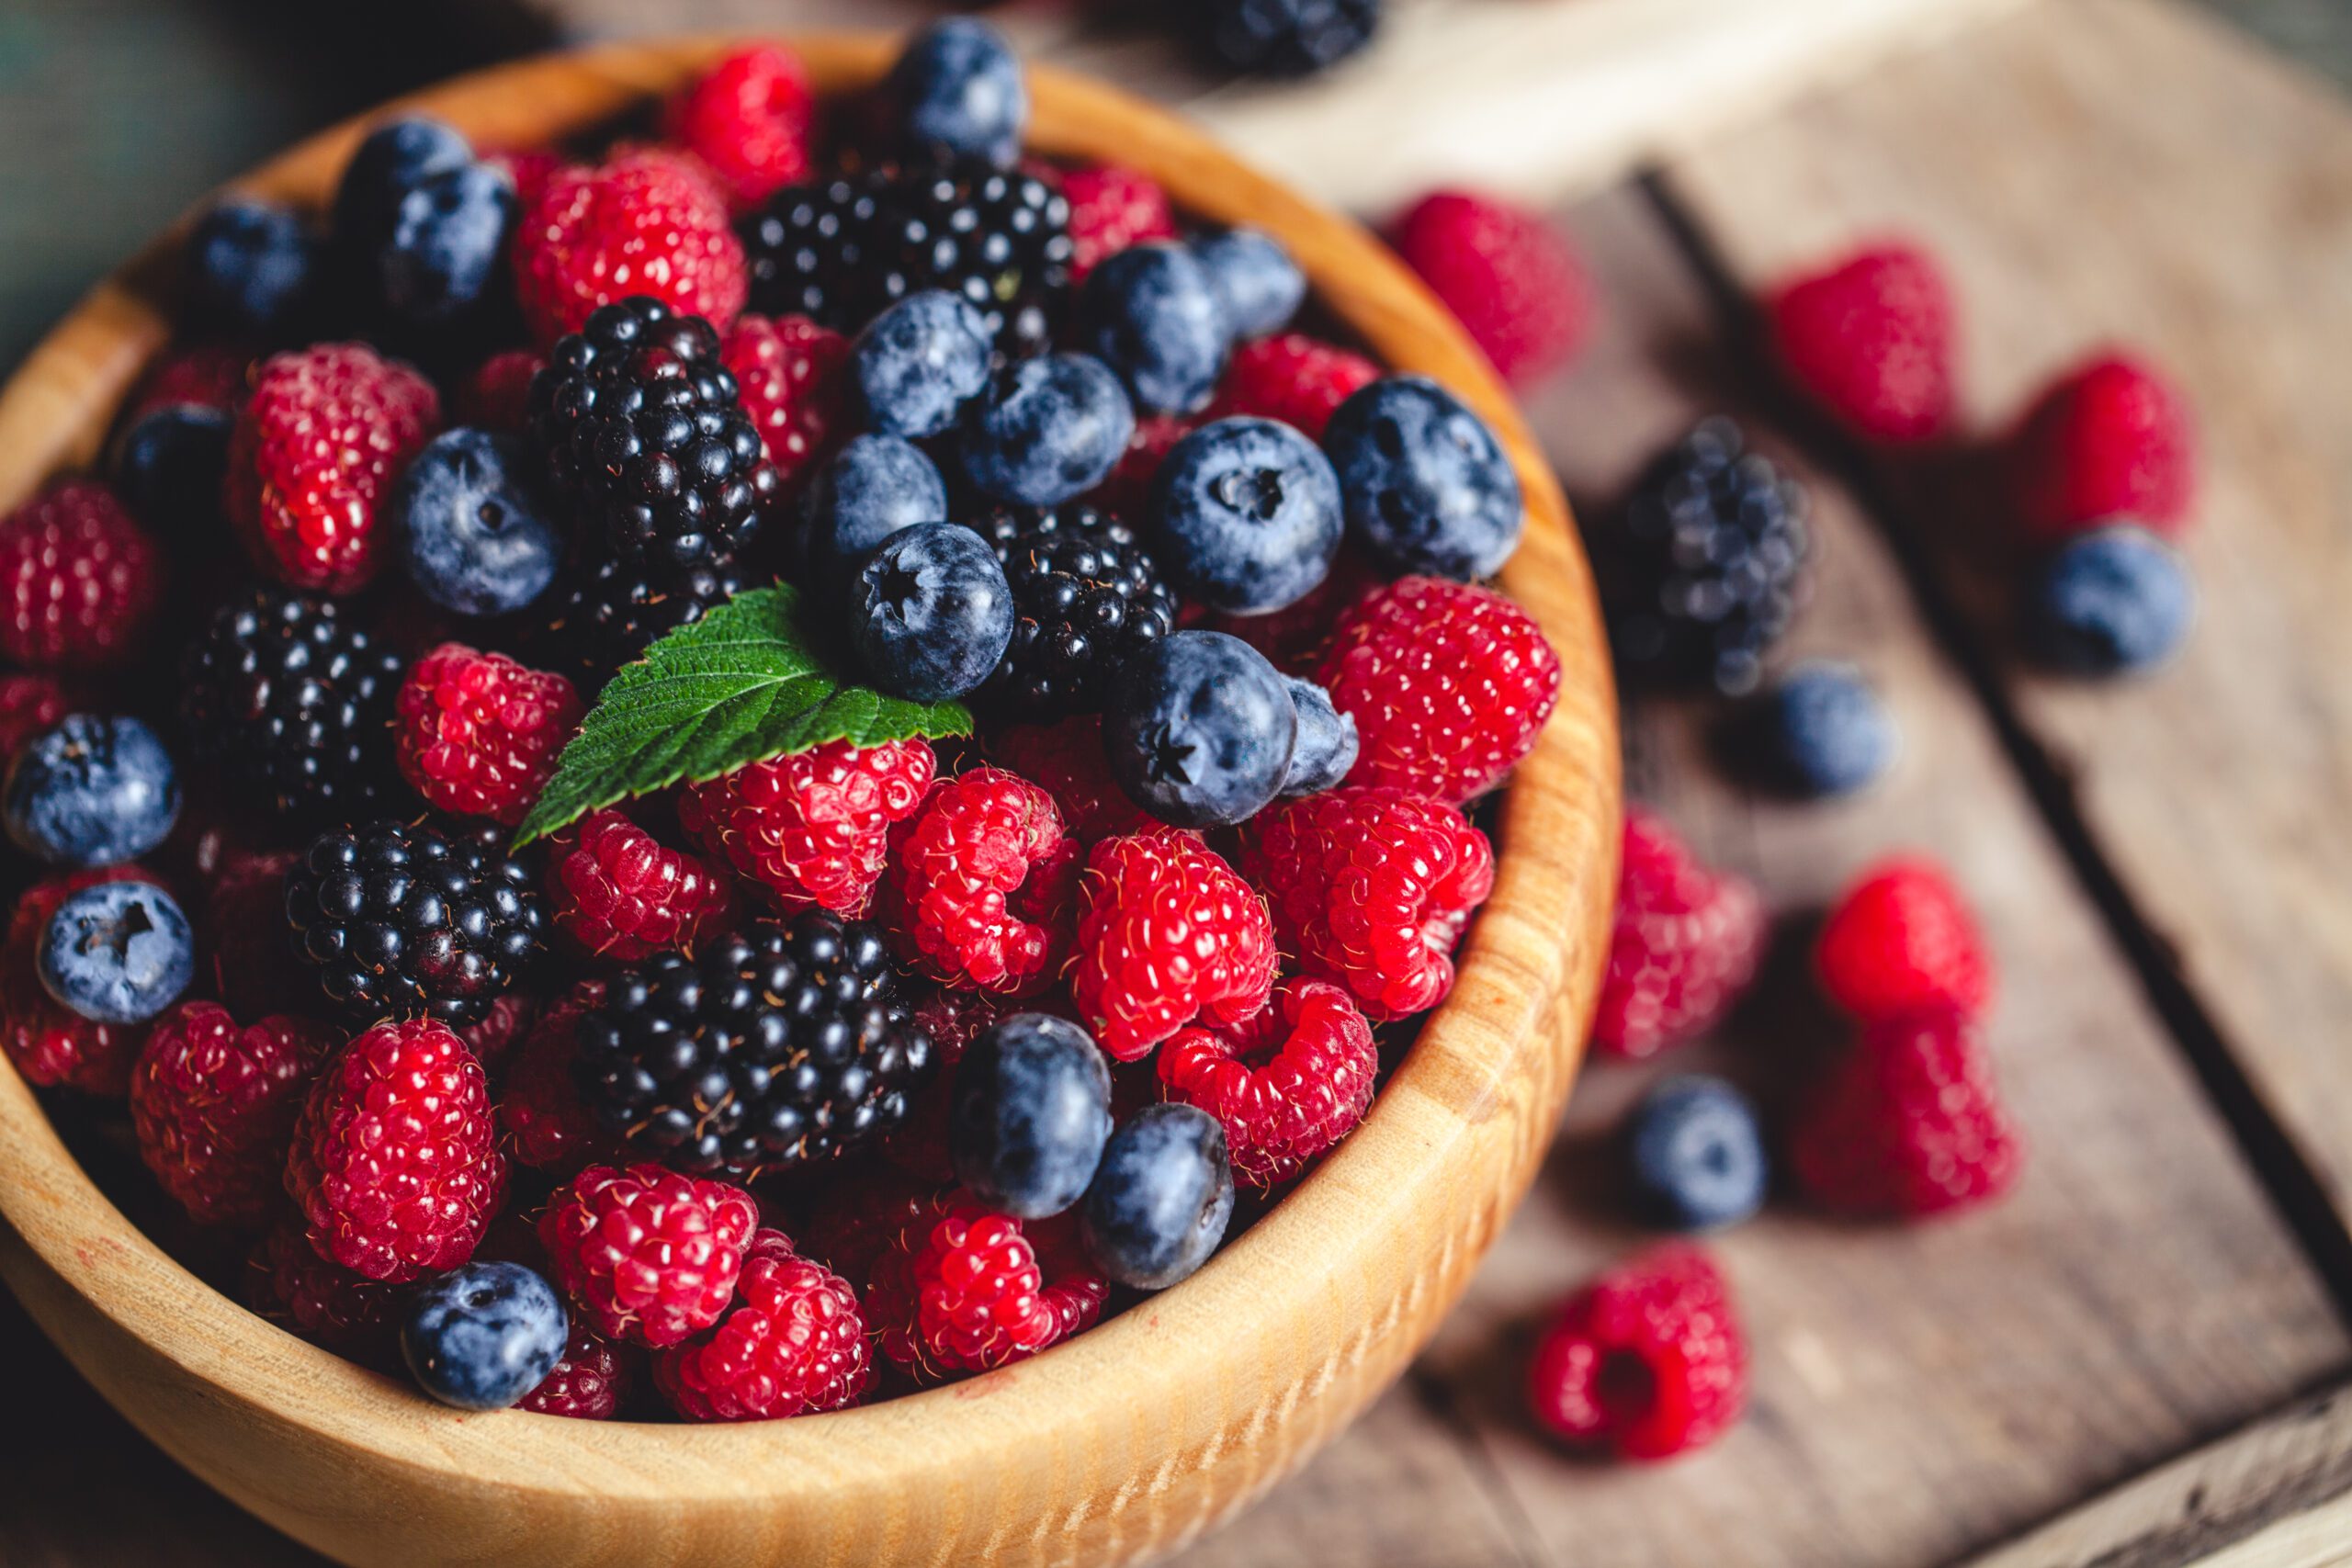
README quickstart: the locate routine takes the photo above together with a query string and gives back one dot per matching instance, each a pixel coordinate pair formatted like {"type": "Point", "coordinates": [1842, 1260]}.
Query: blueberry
{"type": "Point", "coordinates": [1031, 1112]}
{"type": "Point", "coordinates": [1823, 731]}
{"type": "Point", "coordinates": [1428, 487]}
{"type": "Point", "coordinates": [1199, 729]}
{"type": "Point", "coordinates": [168, 464]}
{"type": "Point", "coordinates": [444, 248]}
{"type": "Point", "coordinates": [475, 532]}
{"type": "Point", "coordinates": [1161, 1197]}
{"type": "Point", "coordinates": [870, 489]}
{"type": "Point", "coordinates": [1053, 430]}
{"type": "Point", "coordinates": [483, 1335]}
{"type": "Point", "coordinates": [1256, 284]}
{"type": "Point", "coordinates": [2111, 602]}
{"type": "Point", "coordinates": [1246, 515]}
{"type": "Point", "coordinates": [958, 90]}
{"type": "Point", "coordinates": [1695, 1158]}
{"type": "Point", "coordinates": [1327, 741]}
{"type": "Point", "coordinates": [1150, 313]}
{"type": "Point", "coordinates": [393, 160]}
{"type": "Point", "coordinates": [918, 363]}
{"type": "Point", "coordinates": [931, 614]}
{"type": "Point", "coordinates": [250, 265]}
{"type": "Point", "coordinates": [117, 953]}
{"type": "Point", "coordinates": [95, 790]}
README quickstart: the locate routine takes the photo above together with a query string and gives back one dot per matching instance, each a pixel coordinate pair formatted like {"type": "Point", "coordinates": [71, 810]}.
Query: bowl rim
{"type": "Point", "coordinates": [1458, 1130]}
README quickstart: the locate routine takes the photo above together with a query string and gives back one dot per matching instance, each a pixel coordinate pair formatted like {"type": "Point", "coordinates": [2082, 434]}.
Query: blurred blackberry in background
{"type": "Point", "coordinates": [806, 246]}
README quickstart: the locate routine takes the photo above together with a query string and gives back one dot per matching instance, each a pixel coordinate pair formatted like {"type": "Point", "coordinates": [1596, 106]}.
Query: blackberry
{"type": "Point", "coordinates": [402, 919]}
{"type": "Point", "coordinates": [807, 249]}
{"type": "Point", "coordinates": [783, 1046]}
{"type": "Point", "coordinates": [644, 431]}
{"type": "Point", "coordinates": [1704, 567]}
{"type": "Point", "coordinates": [608, 613]}
{"type": "Point", "coordinates": [293, 704]}
{"type": "Point", "coordinates": [1086, 596]}
{"type": "Point", "coordinates": [1283, 38]}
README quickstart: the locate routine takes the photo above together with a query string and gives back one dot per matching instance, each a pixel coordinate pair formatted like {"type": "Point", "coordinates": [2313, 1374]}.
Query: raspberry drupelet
{"type": "Point", "coordinates": [1911, 1124]}
{"type": "Point", "coordinates": [478, 734]}
{"type": "Point", "coordinates": [1685, 947]}
{"type": "Point", "coordinates": [214, 1107]}
{"type": "Point", "coordinates": [646, 1254]}
{"type": "Point", "coordinates": [793, 1344]}
{"type": "Point", "coordinates": [1645, 1362]}
{"type": "Point", "coordinates": [811, 829]}
{"type": "Point", "coordinates": [648, 221]}
{"type": "Point", "coordinates": [983, 891]}
{"type": "Point", "coordinates": [1287, 1085]}
{"type": "Point", "coordinates": [1166, 933]}
{"type": "Point", "coordinates": [80, 582]}
{"type": "Point", "coordinates": [616, 892]}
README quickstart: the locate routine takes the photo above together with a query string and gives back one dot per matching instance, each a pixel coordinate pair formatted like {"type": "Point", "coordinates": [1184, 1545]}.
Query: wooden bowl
{"type": "Point", "coordinates": [1126, 1441]}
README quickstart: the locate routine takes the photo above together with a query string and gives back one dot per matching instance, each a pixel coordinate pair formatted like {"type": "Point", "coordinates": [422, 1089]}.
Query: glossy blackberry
{"type": "Point", "coordinates": [1283, 38]}
{"type": "Point", "coordinates": [402, 919]}
{"type": "Point", "coordinates": [607, 615]}
{"type": "Point", "coordinates": [806, 247]}
{"type": "Point", "coordinates": [998, 237]}
{"type": "Point", "coordinates": [644, 431]}
{"type": "Point", "coordinates": [785, 1044]}
{"type": "Point", "coordinates": [1703, 568]}
{"type": "Point", "coordinates": [1086, 596]}
{"type": "Point", "coordinates": [292, 703]}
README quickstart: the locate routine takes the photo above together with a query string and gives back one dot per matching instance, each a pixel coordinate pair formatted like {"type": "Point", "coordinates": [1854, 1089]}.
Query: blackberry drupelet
{"type": "Point", "coordinates": [1283, 38]}
{"type": "Point", "coordinates": [1086, 597]}
{"type": "Point", "coordinates": [607, 614]}
{"type": "Point", "coordinates": [998, 237]}
{"type": "Point", "coordinates": [785, 1044]}
{"type": "Point", "coordinates": [644, 430]}
{"type": "Point", "coordinates": [806, 247]}
{"type": "Point", "coordinates": [402, 919]}
{"type": "Point", "coordinates": [293, 704]}
{"type": "Point", "coordinates": [1703, 566]}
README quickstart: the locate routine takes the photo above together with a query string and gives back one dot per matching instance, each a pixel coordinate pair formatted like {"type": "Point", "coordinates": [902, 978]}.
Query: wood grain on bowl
{"type": "Point", "coordinates": [1121, 1444]}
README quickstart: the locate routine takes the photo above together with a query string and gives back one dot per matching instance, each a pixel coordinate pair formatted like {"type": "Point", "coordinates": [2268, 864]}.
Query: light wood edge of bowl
{"type": "Point", "coordinates": [1125, 1442]}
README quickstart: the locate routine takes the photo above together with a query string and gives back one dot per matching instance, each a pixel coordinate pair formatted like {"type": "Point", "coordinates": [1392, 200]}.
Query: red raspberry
{"type": "Point", "coordinates": [1287, 1084]}
{"type": "Point", "coordinates": [1166, 933]}
{"type": "Point", "coordinates": [790, 371]}
{"type": "Point", "coordinates": [346, 1312]}
{"type": "Point", "coordinates": [49, 1043]}
{"type": "Point", "coordinates": [80, 579]}
{"type": "Point", "coordinates": [214, 1107]}
{"type": "Point", "coordinates": [1296, 638]}
{"type": "Point", "coordinates": [793, 1344]}
{"type": "Point", "coordinates": [1372, 889]}
{"type": "Point", "coordinates": [493, 1037]}
{"type": "Point", "coordinates": [395, 1162]}
{"type": "Point", "coordinates": [748, 118]}
{"type": "Point", "coordinates": [1518, 289]}
{"type": "Point", "coordinates": [1646, 1361]}
{"type": "Point", "coordinates": [812, 828]}
{"type": "Point", "coordinates": [974, 1293]}
{"type": "Point", "coordinates": [28, 705]}
{"type": "Point", "coordinates": [619, 894]}
{"type": "Point", "coordinates": [1909, 1124]}
{"type": "Point", "coordinates": [1066, 758]}
{"type": "Point", "coordinates": [1686, 945]}
{"type": "Point", "coordinates": [1125, 492]}
{"type": "Point", "coordinates": [242, 940]}
{"type": "Point", "coordinates": [648, 1254]}
{"type": "Point", "coordinates": [497, 395]}
{"type": "Point", "coordinates": [2109, 439]}
{"type": "Point", "coordinates": [650, 222]}
{"type": "Point", "coordinates": [1869, 338]}
{"type": "Point", "coordinates": [1901, 941]}
{"type": "Point", "coordinates": [478, 734]}
{"type": "Point", "coordinates": [1448, 685]}
{"type": "Point", "coordinates": [1111, 208]}
{"type": "Point", "coordinates": [541, 1113]}
{"type": "Point", "coordinates": [209, 375]}
{"type": "Point", "coordinates": [591, 1383]}
{"type": "Point", "coordinates": [530, 168]}
{"type": "Point", "coordinates": [983, 891]}
{"type": "Point", "coordinates": [1291, 377]}
{"type": "Point", "coordinates": [325, 432]}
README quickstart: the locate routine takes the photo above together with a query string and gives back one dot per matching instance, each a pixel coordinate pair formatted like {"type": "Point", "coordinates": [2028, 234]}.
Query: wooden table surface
{"type": "Point", "coordinates": [2139, 1359]}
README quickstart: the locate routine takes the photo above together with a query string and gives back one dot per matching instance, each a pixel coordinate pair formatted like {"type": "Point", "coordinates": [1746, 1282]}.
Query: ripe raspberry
{"type": "Point", "coordinates": [324, 434]}
{"type": "Point", "coordinates": [332, 1307]}
{"type": "Point", "coordinates": [1518, 288]}
{"type": "Point", "coordinates": [2109, 439]}
{"type": "Point", "coordinates": [591, 1383]}
{"type": "Point", "coordinates": [1287, 1085]}
{"type": "Point", "coordinates": [617, 893]}
{"type": "Point", "coordinates": [1296, 638]}
{"type": "Point", "coordinates": [648, 1254]}
{"type": "Point", "coordinates": [748, 120]}
{"type": "Point", "coordinates": [1902, 940]}
{"type": "Point", "coordinates": [478, 734]}
{"type": "Point", "coordinates": [209, 375]}
{"type": "Point", "coordinates": [51, 1046]}
{"type": "Point", "coordinates": [1684, 948]}
{"type": "Point", "coordinates": [787, 371]}
{"type": "Point", "coordinates": [242, 940]}
{"type": "Point", "coordinates": [647, 222]}
{"type": "Point", "coordinates": [28, 705]}
{"type": "Point", "coordinates": [974, 1293]}
{"type": "Point", "coordinates": [1111, 208]}
{"type": "Point", "coordinates": [505, 1020]}
{"type": "Point", "coordinates": [793, 1344]}
{"type": "Point", "coordinates": [214, 1107]}
{"type": "Point", "coordinates": [497, 396]}
{"type": "Point", "coordinates": [546, 1124]}
{"type": "Point", "coordinates": [1869, 338]}
{"type": "Point", "coordinates": [811, 828]}
{"type": "Point", "coordinates": [1645, 1362]}
{"type": "Point", "coordinates": [1125, 492]}
{"type": "Point", "coordinates": [1291, 377]}
{"type": "Point", "coordinates": [1911, 1124]}
{"type": "Point", "coordinates": [529, 167]}
{"type": "Point", "coordinates": [1066, 758]}
{"type": "Point", "coordinates": [395, 1163]}
{"type": "Point", "coordinates": [1166, 933]}
{"type": "Point", "coordinates": [983, 888]}
{"type": "Point", "coordinates": [1371, 887]}
{"type": "Point", "coordinates": [1448, 685]}
{"type": "Point", "coordinates": [81, 580]}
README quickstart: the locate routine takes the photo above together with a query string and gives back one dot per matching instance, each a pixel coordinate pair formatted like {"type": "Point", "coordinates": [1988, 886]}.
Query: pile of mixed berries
{"type": "Point", "coordinates": [838, 1069]}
